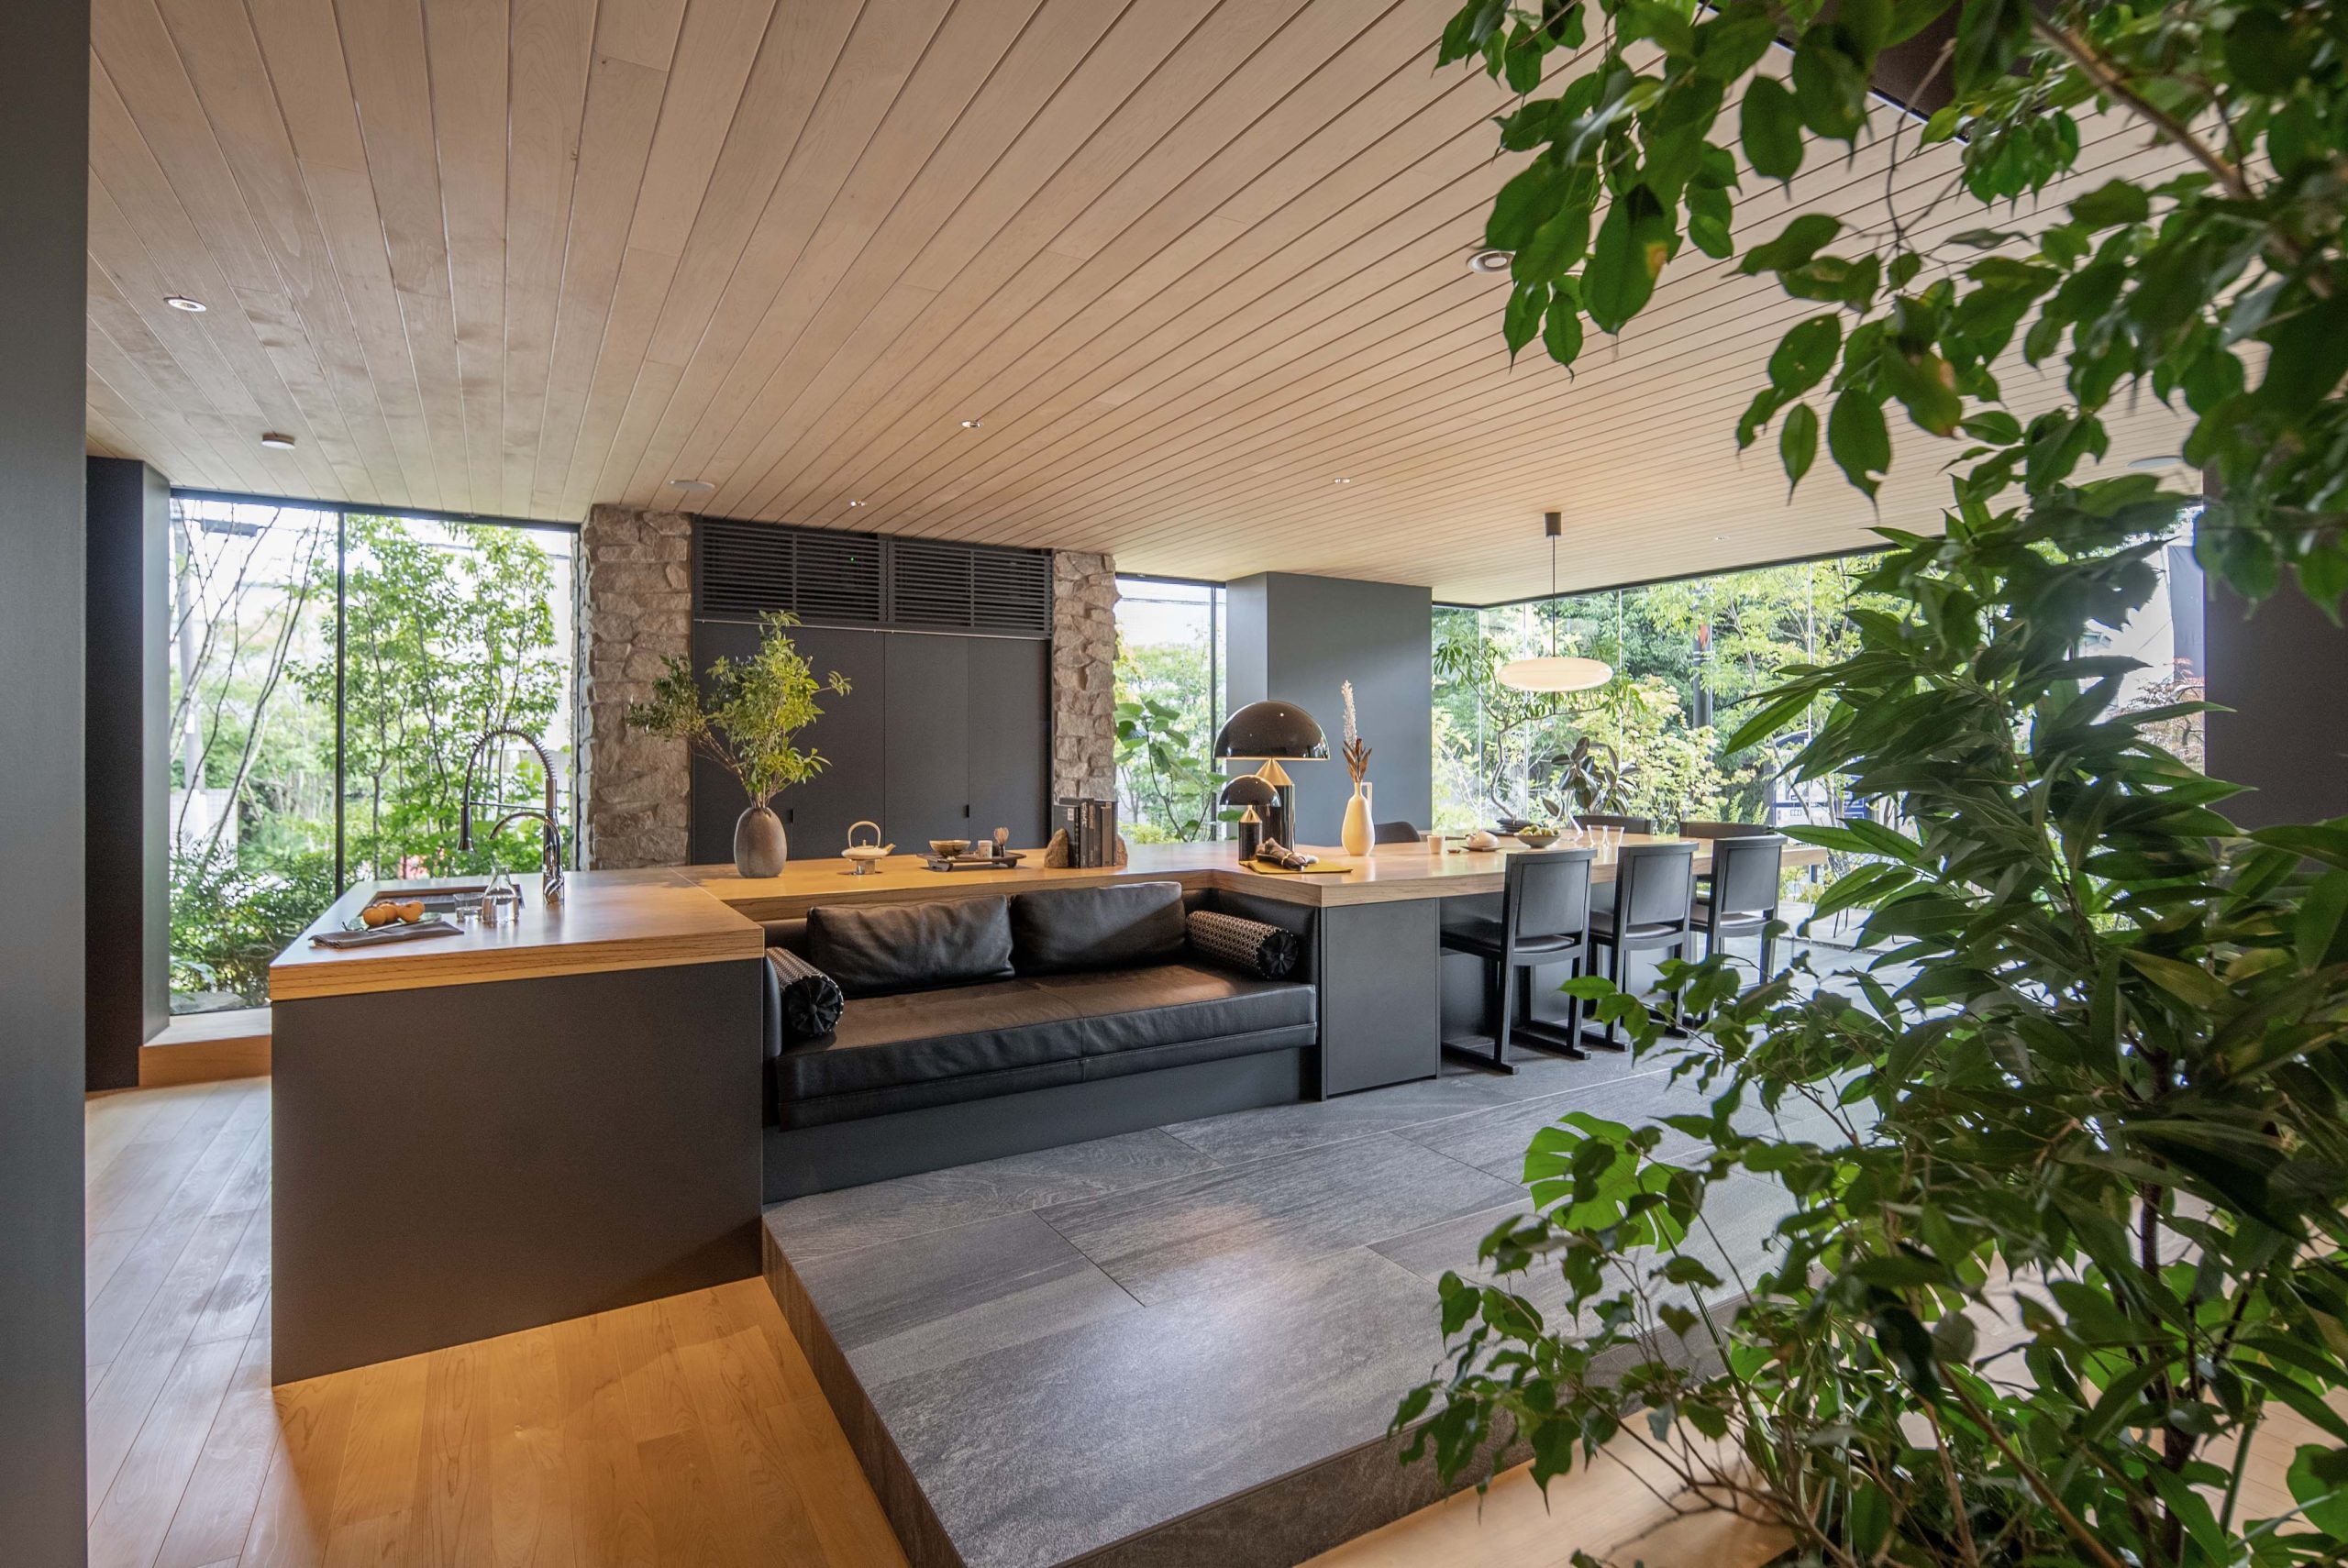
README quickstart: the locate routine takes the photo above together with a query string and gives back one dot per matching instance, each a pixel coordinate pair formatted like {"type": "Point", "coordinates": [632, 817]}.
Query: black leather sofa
{"type": "Point", "coordinates": [984, 1025]}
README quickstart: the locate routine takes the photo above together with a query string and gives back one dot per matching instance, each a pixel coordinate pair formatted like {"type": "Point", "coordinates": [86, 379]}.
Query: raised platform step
{"type": "Point", "coordinates": [200, 1047]}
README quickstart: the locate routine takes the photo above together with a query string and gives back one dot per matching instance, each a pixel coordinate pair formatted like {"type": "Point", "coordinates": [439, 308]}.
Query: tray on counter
{"type": "Point", "coordinates": [1007, 861]}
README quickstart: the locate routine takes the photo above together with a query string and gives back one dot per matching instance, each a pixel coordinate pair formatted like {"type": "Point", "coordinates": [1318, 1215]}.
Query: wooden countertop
{"type": "Point", "coordinates": [608, 919]}
{"type": "Point", "coordinates": [1390, 873]}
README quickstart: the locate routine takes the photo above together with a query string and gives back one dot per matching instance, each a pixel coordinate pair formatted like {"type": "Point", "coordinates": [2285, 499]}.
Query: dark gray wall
{"type": "Point", "coordinates": [1298, 639]}
{"type": "Point", "coordinates": [44, 127]}
{"type": "Point", "coordinates": [2281, 668]}
{"type": "Point", "coordinates": [126, 753]}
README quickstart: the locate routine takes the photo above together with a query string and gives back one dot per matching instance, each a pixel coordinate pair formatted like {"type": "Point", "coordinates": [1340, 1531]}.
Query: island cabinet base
{"type": "Point", "coordinates": [455, 1161]}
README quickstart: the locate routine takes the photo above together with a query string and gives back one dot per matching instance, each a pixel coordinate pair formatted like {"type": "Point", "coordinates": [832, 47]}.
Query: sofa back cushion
{"type": "Point", "coordinates": [1116, 927]}
{"type": "Point", "coordinates": [873, 950]}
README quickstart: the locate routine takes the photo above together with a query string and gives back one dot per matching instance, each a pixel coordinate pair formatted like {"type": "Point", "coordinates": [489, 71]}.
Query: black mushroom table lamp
{"type": "Point", "coordinates": [1272, 733]}
{"type": "Point", "coordinates": [1259, 805]}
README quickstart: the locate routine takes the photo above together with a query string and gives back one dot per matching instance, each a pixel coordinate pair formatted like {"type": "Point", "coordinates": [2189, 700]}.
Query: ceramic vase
{"type": "Point", "coordinates": [1355, 835]}
{"type": "Point", "coordinates": [760, 843]}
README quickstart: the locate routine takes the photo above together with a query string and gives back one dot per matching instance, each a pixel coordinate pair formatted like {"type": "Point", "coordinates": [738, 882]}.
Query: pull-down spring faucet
{"type": "Point", "coordinates": [550, 852]}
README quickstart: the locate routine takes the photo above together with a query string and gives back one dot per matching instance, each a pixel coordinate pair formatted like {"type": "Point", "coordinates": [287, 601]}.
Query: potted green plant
{"type": "Point", "coordinates": [2062, 1175]}
{"type": "Point", "coordinates": [745, 716]}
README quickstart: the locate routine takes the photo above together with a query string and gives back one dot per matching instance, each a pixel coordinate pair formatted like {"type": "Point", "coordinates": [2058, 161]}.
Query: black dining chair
{"type": "Point", "coordinates": [1394, 833]}
{"type": "Point", "coordinates": [1723, 830]}
{"type": "Point", "coordinates": [1743, 900]}
{"type": "Point", "coordinates": [1544, 919]}
{"type": "Point", "coordinates": [1655, 892]}
{"type": "Point", "coordinates": [1628, 824]}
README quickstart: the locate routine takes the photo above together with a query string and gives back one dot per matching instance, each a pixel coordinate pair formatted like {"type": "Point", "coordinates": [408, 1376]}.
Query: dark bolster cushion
{"type": "Point", "coordinates": [878, 949]}
{"type": "Point", "coordinates": [1249, 947]}
{"type": "Point", "coordinates": [809, 1000]}
{"type": "Point", "coordinates": [1073, 930]}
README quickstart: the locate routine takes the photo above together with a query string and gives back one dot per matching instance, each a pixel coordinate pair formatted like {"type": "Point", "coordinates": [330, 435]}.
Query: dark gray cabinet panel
{"type": "Point", "coordinates": [940, 736]}
{"type": "Point", "coordinates": [816, 814]}
{"type": "Point", "coordinates": [926, 793]}
{"type": "Point", "coordinates": [1011, 738]}
{"type": "Point", "coordinates": [1380, 995]}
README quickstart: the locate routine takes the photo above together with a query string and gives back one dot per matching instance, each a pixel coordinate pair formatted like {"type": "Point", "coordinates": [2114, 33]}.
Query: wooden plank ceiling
{"type": "Point", "coordinates": [1189, 263]}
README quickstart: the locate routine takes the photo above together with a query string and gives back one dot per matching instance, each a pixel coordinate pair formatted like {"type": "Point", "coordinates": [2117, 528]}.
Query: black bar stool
{"type": "Point", "coordinates": [1394, 833]}
{"type": "Point", "coordinates": [1655, 890]}
{"type": "Point", "coordinates": [1746, 872]}
{"type": "Point", "coordinates": [1545, 918]}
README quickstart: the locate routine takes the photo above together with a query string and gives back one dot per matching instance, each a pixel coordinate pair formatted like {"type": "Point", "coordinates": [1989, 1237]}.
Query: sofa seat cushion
{"type": "Point", "coordinates": [1003, 1036]}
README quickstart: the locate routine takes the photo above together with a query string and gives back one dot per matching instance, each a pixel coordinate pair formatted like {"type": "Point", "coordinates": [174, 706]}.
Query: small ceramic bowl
{"type": "Point", "coordinates": [1533, 838]}
{"type": "Point", "coordinates": [947, 848]}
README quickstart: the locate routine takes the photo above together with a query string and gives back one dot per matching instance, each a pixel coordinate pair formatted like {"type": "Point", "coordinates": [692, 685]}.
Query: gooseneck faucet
{"type": "Point", "coordinates": [550, 854]}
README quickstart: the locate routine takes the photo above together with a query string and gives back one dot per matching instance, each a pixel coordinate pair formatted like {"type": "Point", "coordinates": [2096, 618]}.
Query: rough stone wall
{"type": "Point", "coordinates": [1084, 657]}
{"type": "Point", "coordinates": [637, 587]}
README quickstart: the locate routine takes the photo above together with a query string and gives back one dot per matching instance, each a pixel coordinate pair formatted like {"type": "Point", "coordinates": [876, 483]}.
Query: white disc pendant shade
{"type": "Point", "coordinates": [1554, 671]}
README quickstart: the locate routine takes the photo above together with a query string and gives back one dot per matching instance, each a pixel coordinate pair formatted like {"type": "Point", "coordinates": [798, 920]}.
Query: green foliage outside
{"type": "Point", "coordinates": [1165, 718]}
{"type": "Point", "coordinates": [449, 629]}
{"type": "Point", "coordinates": [744, 715]}
{"type": "Point", "coordinates": [1503, 753]}
{"type": "Point", "coordinates": [2065, 1173]}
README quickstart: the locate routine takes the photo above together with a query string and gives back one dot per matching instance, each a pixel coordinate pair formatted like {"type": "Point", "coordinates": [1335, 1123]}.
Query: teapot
{"type": "Point", "coordinates": [863, 859]}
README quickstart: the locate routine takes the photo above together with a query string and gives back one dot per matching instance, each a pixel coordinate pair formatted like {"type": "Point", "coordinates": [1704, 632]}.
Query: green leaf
{"type": "Point", "coordinates": [1989, 38]}
{"type": "Point", "coordinates": [1830, 89]}
{"type": "Point", "coordinates": [2317, 930]}
{"type": "Point", "coordinates": [1523, 323]}
{"type": "Point", "coordinates": [1770, 125]}
{"type": "Point", "coordinates": [1554, 247]}
{"type": "Point", "coordinates": [1926, 388]}
{"type": "Point", "coordinates": [2114, 203]}
{"type": "Point", "coordinates": [1805, 354]}
{"type": "Point", "coordinates": [1632, 244]}
{"type": "Point", "coordinates": [1561, 331]}
{"type": "Point", "coordinates": [1857, 440]}
{"type": "Point", "coordinates": [1798, 444]}
{"type": "Point", "coordinates": [2310, 358]}
{"type": "Point", "coordinates": [1524, 204]}
{"type": "Point", "coordinates": [2189, 983]}
{"type": "Point", "coordinates": [1801, 239]}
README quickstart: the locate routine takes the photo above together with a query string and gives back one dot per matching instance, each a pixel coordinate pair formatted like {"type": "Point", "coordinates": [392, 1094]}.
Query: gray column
{"type": "Point", "coordinates": [2279, 668]}
{"type": "Point", "coordinates": [44, 126]}
{"type": "Point", "coordinates": [1298, 639]}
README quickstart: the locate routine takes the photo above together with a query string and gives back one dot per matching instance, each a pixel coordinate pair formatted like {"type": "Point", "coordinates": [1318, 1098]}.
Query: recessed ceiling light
{"type": "Point", "coordinates": [1489, 261]}
{"type": "Point", "coordinates": [855, 503]}
{"type": "Point", "coordinates": [2167, 460]}
{"type": "Point", "coordinates": [971, 423]}
{"type": "Point", "coordinates": [276, 438]}
{"type": "Point", "coordinates": [692, 487]}
{"type": "Point", "coordinates": [1341, 481]}
{"type": "Point", "coordinates": [181, 301]}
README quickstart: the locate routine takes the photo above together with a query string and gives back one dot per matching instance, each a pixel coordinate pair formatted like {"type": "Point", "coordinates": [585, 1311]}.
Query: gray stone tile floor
{"type": "Point", "coordinates": [1072, 1346]}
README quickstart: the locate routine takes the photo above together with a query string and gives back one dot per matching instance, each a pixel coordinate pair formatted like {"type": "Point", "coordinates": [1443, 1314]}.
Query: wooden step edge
{"type": "Point", "coordinates": [204, 1047]}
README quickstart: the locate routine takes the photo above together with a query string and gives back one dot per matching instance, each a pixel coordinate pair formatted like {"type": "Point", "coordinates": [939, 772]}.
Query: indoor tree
{"type": "Point", "coordinates": [2063, 1176]}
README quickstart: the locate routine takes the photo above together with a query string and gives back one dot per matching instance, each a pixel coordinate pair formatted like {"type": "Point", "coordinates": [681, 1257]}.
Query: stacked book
{"type": "Point", "coordinates": [1091, 828]}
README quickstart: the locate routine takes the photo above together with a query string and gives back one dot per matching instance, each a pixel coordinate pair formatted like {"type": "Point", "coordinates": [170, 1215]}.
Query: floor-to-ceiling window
{"type": "Point", "coordinates": [330, 671]}
{"type": "Point", "coordinates": [1169, 703]}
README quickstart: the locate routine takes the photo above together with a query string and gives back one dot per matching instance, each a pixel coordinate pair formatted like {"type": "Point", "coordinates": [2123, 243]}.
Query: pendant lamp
{"type": "Point", "coordinates": [1553, 671]}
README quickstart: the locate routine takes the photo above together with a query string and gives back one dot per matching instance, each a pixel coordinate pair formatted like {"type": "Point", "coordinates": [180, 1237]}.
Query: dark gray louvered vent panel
{"type": "Point", "coordinates": [1013, 590]}
{"type": "Point", "coordinates": [751, 569]}
{"type": "Point", "coordinates": [829, 578]}
{"type": "Point", "coordinates": [744, 569]}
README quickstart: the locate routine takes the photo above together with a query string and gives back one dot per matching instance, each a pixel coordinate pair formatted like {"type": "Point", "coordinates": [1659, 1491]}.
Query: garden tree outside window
{"type": "Point", "coordinates": [1169, 701]}
{"type": "Point", "coordinates": [330, 670]}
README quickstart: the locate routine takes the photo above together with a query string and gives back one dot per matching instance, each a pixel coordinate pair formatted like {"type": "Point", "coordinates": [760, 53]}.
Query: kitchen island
{"type": "Point", "coordinates": [479, 1133]}
{"type": "Point", "coordinates": [483, 1132]}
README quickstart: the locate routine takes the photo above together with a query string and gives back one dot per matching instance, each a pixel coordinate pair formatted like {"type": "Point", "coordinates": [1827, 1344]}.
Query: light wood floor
{"type": "Point", "coordinates": [687, 1431]}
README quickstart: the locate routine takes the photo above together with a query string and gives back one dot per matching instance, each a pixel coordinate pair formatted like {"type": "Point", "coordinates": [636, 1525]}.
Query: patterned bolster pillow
{"type": "Point", "coordinates": [810, 999]}
{"type": "Point", "coordinates": [1267, 952]}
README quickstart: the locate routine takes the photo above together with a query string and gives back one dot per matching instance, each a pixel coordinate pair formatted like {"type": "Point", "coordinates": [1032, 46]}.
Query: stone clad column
{"type": "Point", "coordinates": [635, 584]}
{"type": "Point", "coordinates": [1084, 660]}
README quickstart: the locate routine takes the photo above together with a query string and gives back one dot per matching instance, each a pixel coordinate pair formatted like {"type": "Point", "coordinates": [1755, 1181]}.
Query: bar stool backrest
{"type": "Point", "coordinates": [1721, 829]}
{"type": "Point", "coordinates": [1654, 884]}
{"type": "Point", "coordinates": [1546, 893]}
{"type": "Point", "coordinates": [1395, 833]}
{"type": "Point", "coordinates": [1628, 824]}
{"type": "Point", "coordinates": [1745, 872]}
